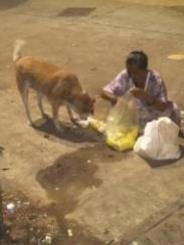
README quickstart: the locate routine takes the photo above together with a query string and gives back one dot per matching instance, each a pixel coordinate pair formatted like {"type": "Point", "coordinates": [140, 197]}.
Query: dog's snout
{"type": "Point", "coordinates": [84, 116]}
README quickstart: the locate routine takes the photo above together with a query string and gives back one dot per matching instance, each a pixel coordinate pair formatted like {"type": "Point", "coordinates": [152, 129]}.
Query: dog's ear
{"type": "Point", "coordinates": [86, 97]}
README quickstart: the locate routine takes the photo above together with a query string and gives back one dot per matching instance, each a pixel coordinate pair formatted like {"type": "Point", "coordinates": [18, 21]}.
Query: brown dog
{"type": "Point", "coordinates": [61, 87]}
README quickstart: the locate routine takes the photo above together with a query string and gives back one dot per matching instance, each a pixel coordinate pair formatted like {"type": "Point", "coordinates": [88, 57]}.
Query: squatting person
{"type": "Point", "coordinates": [146, 86]}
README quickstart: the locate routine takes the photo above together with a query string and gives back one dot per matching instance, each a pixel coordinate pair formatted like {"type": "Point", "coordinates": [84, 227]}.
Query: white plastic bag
{"type": "Point", "coordinates": [160, 140]}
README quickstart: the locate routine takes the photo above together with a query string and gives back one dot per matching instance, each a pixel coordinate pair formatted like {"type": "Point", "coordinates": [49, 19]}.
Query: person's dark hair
{"type": "Point", "coordinates": [138, 59]}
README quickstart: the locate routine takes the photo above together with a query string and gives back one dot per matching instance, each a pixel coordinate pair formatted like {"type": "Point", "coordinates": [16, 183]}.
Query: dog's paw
{"type": "Point", "coordinates": [82, 123]}
{"type": "Point", "coordinates": [60, 129]}
{"type": "Point", "coordinates": [74, 120]}
{"type": "Point", "coordinates": [45, 116]}
{"type": "Point", "coordinates": [30, 123]}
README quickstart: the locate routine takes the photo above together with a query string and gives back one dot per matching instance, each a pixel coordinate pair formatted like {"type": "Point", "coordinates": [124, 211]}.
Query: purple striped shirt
{"type": "Point", "coordinates": [154, 85]}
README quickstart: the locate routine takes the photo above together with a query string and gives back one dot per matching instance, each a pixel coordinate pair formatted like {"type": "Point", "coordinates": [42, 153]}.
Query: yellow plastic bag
{"type": "Point", "coordinates": [122, 141]}
{"type": "Point", "coordinates": [121, 127]}
{"type": "Point", "coordinates": [119, 141]}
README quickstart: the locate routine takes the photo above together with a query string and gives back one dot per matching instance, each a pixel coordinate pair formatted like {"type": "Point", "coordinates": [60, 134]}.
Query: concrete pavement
{"type": "Point", "coordinates": [112, 197]}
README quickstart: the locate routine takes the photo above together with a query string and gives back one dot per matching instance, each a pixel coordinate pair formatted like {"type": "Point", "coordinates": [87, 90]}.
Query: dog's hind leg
{"type": "Point", "coordinates": [25, 94]}
{"type": "Point", "coordinates": [55, 111]}
{"type": "Point", "coordinates": [40, 105]}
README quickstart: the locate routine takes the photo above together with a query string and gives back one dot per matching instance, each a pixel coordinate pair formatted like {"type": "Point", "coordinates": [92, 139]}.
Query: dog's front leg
{"type": "Point", "coordinates": [55, 111]}
{"type": "Point", "coordinates": [75, 120]}
{"type": "Point", "coordinates": [40, 105]}
{"type": "Point", "coordinates": [39, 98]}
{"type": "Point", "coordinates": [71, 115]}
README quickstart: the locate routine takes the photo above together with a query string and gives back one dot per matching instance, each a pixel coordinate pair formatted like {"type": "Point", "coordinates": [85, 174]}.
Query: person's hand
{"type": "Point", "coordinates": [114, 101]}
{"type": "Point", "coordinates": [110, 97]}
{"type": "Point", "coordinates": [169, 104]}
{"type": "Point", "coordinates": [138, 93]}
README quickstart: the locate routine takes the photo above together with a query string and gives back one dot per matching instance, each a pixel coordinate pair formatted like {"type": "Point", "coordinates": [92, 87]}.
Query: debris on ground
{"type": "Point", "coordinates": [176, 57]}
{"type": "Point", "coordinates": [70, 233]}
{"type": "Point", "coordinates": [24, 223]}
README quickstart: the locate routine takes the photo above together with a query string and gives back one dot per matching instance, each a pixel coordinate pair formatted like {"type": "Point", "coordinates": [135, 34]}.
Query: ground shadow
{"type": "Point", "coordinates": [162, 163]}
{"type": "Point", "coordinates": [73, 134]}
{"type": "Point", "coordinates": [7, 4]}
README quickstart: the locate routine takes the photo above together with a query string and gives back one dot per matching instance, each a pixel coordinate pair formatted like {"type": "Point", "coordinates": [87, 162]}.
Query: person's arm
{"type": "Point", "coordinates": [115, 88]}
{"type": "Point", "coordinates": [159, 101]}
{"type": "Point", "coordinates": [161, 105]}
{"type": "Point", "coordinates": [109, 97]}
{"type": "Point", "coordinates": [158, 104]}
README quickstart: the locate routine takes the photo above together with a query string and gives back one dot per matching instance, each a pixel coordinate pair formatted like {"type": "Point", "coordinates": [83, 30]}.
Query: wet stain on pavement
{"type": "Point", "coordinates": [76, 12]}
{"type": "Point", "coordinates": [177, 8]}
{"type": "Point", "coordinates": [67, 179]}
{"type": "Point", "coordinates": [4, 4]}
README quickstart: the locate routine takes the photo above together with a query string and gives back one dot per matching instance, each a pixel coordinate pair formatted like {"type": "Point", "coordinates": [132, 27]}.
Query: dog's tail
{"type": "Point", "coordinates": [17, 49]}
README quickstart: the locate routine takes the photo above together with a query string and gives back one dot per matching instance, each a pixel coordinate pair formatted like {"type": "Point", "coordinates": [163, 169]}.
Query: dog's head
{"type": "Point", "coordinates": [84, 105]}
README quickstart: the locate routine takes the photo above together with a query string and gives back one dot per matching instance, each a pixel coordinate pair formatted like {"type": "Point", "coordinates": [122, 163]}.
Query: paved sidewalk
{"type": "Point", "coordinates": [109, 197]}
